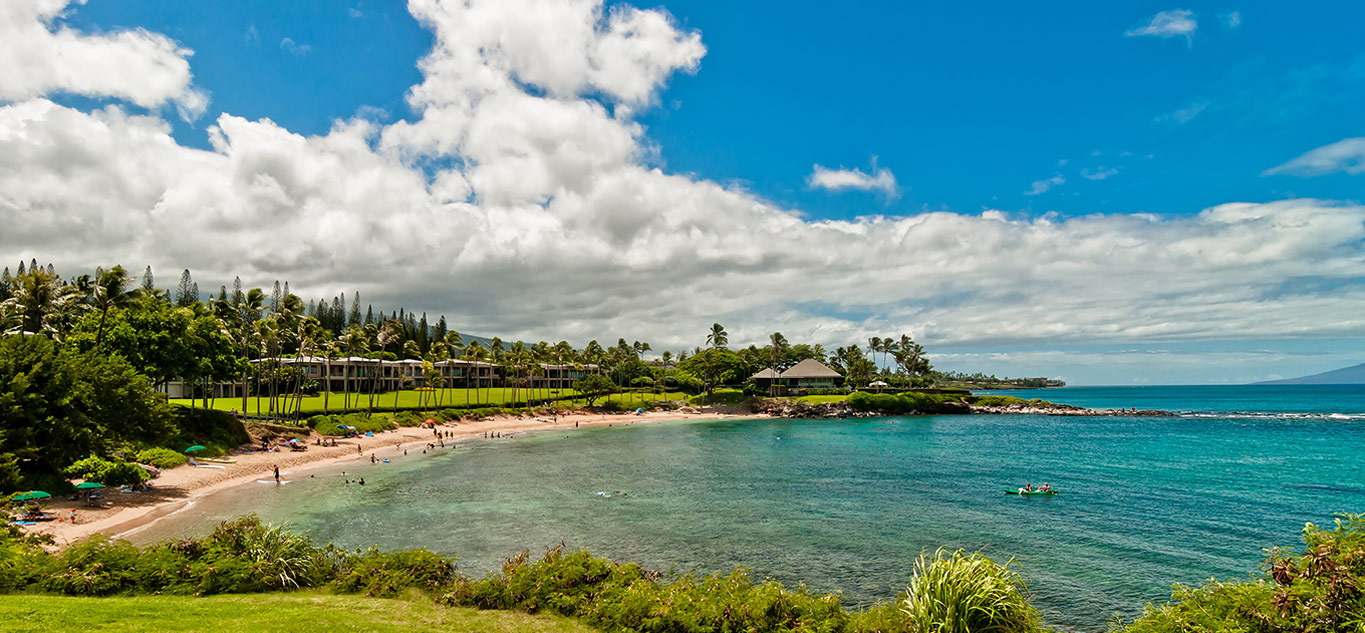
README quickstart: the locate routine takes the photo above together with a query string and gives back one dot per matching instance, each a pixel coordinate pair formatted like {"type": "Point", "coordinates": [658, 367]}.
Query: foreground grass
{"type": "Point", "coordinates": [262, 613]}
{"type": "Point", "coordinates": [412, 398]}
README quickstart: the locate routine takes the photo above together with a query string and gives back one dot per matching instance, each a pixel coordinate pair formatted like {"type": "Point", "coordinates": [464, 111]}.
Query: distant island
{"type": "Point", "coordinates": [1354, 375]}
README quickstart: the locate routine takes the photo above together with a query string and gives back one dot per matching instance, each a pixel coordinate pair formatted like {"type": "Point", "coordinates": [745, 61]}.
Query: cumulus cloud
{"type": "Point", "coordinates": [1168, 23]}
{"type": "Point", "coordinates": [844, 179]}
{"type": "Point", "coordinates": [1042, 186]}
{"type": "Point", "coordinates": [1346, 155]}
{"type": "Point", "coordinates": [544, 222]}
{"type": "Point", "coordinates": [37, 58]}
{"type": "Point", "coordinates": [1233, 19]}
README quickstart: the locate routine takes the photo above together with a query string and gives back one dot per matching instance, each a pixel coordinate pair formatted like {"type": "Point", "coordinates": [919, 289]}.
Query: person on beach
{"type": "Point", "coordinates": [372, 459]}
{"type": "Point", "coordinates": [277, 474]}
{"type": "Point", "coordinates": [362, 481]}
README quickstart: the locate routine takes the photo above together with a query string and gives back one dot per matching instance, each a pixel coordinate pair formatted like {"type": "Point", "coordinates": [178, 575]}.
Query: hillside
{"type": "Point", "coordinates": [1354, 375]}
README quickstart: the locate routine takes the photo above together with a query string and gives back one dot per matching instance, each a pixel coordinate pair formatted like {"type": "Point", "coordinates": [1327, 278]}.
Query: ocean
{"type": "Point", "coordinates": [847, 505]}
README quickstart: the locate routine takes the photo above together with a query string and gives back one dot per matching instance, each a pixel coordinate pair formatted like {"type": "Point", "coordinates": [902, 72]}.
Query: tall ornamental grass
{"type": "Point", "coordinates": [957, 592]}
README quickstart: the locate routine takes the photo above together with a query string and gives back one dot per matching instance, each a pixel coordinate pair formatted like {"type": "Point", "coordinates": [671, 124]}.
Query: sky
{"type": "Point", "coordinates": [1107, 193]}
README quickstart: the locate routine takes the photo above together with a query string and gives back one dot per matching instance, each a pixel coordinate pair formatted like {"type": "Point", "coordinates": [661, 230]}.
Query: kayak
{"type": "Point", "coordinates": [1030, 493]}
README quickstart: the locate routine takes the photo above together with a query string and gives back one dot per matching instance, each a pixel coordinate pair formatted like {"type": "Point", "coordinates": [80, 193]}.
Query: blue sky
{"type": "Point", "coordinates": [967, 104]}
{"type": "Point", "coordinates": [1105, 192]}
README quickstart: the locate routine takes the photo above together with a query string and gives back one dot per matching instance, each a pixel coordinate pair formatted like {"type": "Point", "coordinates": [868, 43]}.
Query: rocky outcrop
{"type": "Point", "coordinates": [783, 408]}
{"type": "Point", "coordinates": [1048, 408]}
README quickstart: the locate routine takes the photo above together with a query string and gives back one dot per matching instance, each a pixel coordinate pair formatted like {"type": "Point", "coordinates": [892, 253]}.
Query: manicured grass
{"type": "Point", "coordinates": [448, 398]}
{"type": "Point", "coordinates": [719, 396]}
{"type": "Point", "coordinates": [821, 399]}
{"type": "Point", "coordinates": [262, 613]}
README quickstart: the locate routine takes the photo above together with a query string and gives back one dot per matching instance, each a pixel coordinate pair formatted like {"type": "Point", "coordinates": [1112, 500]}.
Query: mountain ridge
{"type": "Point", "coordinates": [1353, 375]}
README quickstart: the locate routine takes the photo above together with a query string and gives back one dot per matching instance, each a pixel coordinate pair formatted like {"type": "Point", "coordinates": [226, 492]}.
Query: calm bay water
{"type": "Point", "coordinates": [847, 505]}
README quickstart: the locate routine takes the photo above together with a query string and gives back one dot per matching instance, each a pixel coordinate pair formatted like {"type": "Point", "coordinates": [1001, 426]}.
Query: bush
{"type": "Point", "coordinates": [386, 574]}
{"type": "Point", "coordinates": [961, 593]}
{"type": "Point", "coordinates": [331, 424]}
{"type": "Point", "coordinates": [161, 457]}
{"type": "Point", "coordinates": [91, 468]}
{"type": "Point", "coordinates": [1320, 590]}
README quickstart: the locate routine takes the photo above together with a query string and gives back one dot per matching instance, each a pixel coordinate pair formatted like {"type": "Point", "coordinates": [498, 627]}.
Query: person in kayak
{"type": "Point", "coordinates": [1028, 487]}
{"type": "Point", "coordinates": [1046, 487]}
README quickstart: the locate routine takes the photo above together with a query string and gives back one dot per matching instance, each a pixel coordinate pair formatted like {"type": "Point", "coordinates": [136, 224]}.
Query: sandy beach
{"type": "Point", "coordinates": [123, 512]}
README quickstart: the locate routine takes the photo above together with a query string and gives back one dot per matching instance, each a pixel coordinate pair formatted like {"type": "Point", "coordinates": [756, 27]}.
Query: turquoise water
{"type": "Point", "coordinates": [847, 505]}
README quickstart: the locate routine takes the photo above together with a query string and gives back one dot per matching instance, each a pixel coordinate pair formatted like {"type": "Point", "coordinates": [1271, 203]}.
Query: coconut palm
{"type": "Point", "coordinates": [42, 302]}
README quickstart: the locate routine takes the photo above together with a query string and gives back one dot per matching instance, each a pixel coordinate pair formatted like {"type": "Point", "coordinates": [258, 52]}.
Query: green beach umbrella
{"type": "Point", "coordinates": [89, 484]}
{"type": "Point", "coordinates": [194, 448]}
{"type": "Point", "coordinates": [33, 494]}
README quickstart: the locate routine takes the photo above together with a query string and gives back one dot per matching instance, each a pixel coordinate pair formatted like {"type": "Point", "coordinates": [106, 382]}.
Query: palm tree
{"type": "Point", "coordinates": [474, 353]}
{"type": "Point", "coordinates": [43, 302]}
{"type": "Point", "coordinates": [110, 291]}
{"type": "Point", "coordinates": [717, 339]}
{"type": "Point", "coordinates": [392, 330]}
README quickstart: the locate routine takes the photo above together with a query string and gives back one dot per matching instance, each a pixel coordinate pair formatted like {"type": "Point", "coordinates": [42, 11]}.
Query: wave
{"type": "Point", "coordinates": [1274, 415]}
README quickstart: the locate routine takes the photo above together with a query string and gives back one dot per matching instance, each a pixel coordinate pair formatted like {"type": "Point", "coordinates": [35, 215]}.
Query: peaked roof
{"type": "Point", "coordinates": [766, 374]}
{"type": "Point", "coordinates": [811, 368]}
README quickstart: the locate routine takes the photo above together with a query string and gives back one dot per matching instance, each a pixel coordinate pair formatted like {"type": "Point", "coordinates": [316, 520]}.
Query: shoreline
{"type": "Point", "coordinates": [124, 513]}
{"type": "Point", "coordinates": [181, 487]}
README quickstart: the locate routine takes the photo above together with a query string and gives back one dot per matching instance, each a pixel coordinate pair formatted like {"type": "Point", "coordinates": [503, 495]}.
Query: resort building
{"type": "Point", "coordinates": [807, 374]}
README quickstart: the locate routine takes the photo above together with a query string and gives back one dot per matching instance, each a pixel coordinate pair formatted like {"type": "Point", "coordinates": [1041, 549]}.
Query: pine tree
{"type": "Point", "coordinates": [183, 297]}
{"type": "Point", "coordinates": [355, 309]}
{"type": "Point", "coordinates": [423, 343]}
{"type": "Point", "coordinates": [275, 297]}
{"type": "Point", "coordinates": [369, 314]}
{"type": "Point", "coordinates": [237, 295]}
{"type": "Point", "coordinates": [441, 329]}
{"type": "Point", "coordinates": [6, 282]}
{"type": "Point", "coordinates": [21, 268]}
{"type": "Point", "coordinates": [222, 294]}
{"type": "Point", "coordinates": [337, 314]}
{"type": "Point", "coordinates": [148, 283]}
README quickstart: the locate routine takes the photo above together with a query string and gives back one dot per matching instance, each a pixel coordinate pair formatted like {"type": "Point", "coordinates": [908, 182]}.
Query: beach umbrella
{"type": "Point", "coordinates": [194, 448]}
{"type": "Point", "coordinates": [33, 494]}
{"type": "Point", "coordinates": [431, 421]}
{"type": "Point", "coordinates": [89, 485]}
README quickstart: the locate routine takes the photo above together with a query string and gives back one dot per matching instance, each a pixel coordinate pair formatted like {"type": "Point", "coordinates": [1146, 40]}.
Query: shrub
{"type": "Point", "coordinates": [90, 468]}
{"type": "Point", "coordinates": [161, 457]}
{"type": "Point", "coordinates": [386, 574]}
{"type": "Point", "coordinates": [331, 424]}
{"type": "Point", "coordinates": [956, 592]}
{"type": "Point", "coordinates": [122, 474]}
{"type": "Point", "coordinates": [1320, 590]}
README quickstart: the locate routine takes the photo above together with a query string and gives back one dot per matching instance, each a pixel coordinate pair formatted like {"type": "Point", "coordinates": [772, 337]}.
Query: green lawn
{"type": "Point", "coordinates": [821, 399]}
{"type": "Point", "coordinates": [448, 398]}
{"type": "Point", "coordinates": [261, 613]}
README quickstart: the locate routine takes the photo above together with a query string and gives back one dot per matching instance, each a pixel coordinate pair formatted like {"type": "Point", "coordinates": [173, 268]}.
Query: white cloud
{"type": "Point", "coordinates": [881, 179]}
{"type": "Point", "coordinates": [545, 222]}
{"type": "Point", "coordinates": [1098, 173]}
{"type": "Point", "coordinates": [1233, 19]}
{"type": "Point", "coordinates": [288, 45]}
{"type": "Point", "coordinates": [1346, 155]}
{"type": "Point", "coordinates": [1168, 24]}
{"type": "Point", "coordinates": [354, 13]}
{"type": "Point", "coordinates": [38, 58]}
{"type": "Point", "coordinates": [1184, 115]}
{"type": "Point", "coordinates": [1042, 186]}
